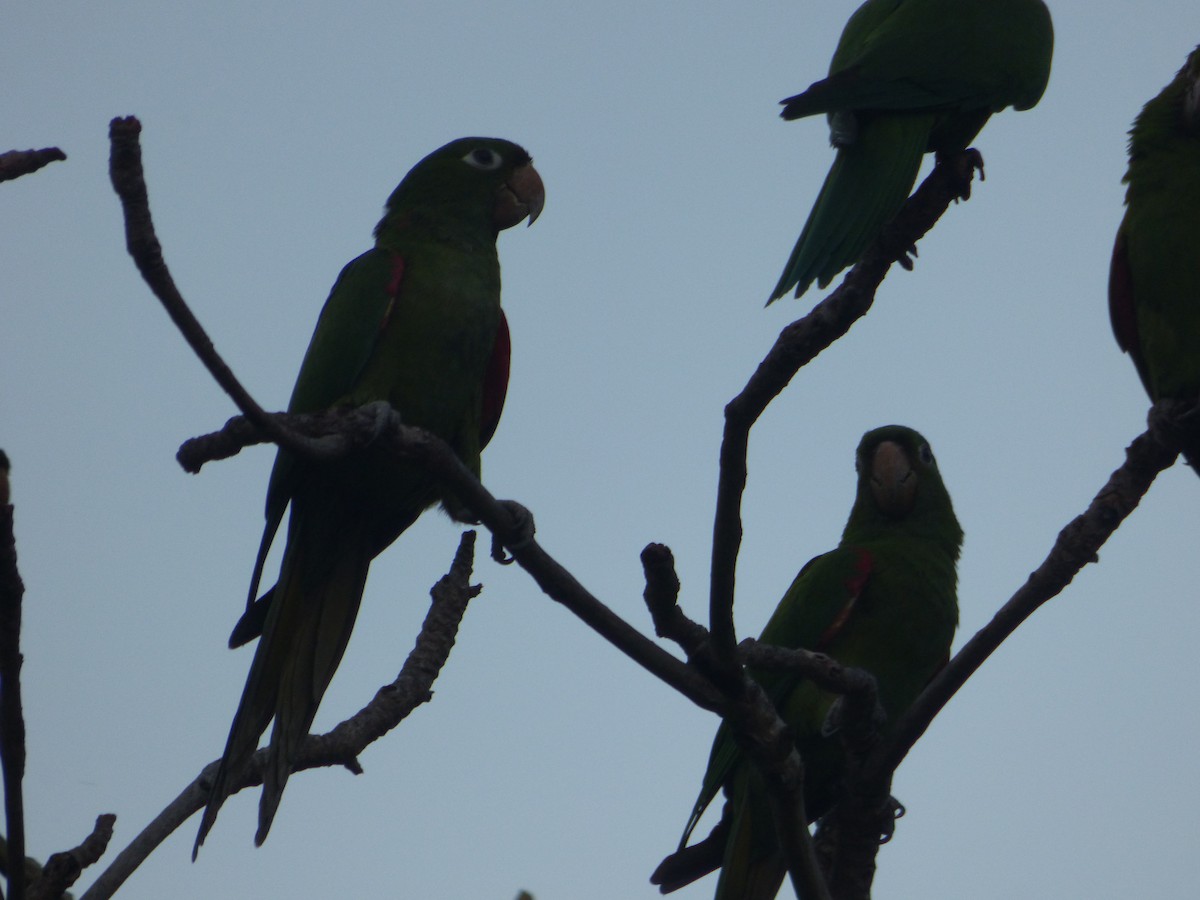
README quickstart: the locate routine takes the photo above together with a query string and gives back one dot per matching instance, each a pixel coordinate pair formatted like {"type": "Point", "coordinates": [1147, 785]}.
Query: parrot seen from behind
{"type": "Point", "coordinates": [1154, 280]}
{"type": "Point", "coordinates": [415, 322]}
{"type": "Point", "coordinates": [909, 77]}
{"type": "Point", "coordinates": [885, 601]}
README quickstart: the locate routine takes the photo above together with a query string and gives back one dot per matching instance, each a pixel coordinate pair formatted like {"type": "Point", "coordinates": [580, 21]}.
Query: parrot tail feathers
{"type": "Point", "coordinates": [307, 627]}
{"type": "Point", "coordinates": [868, 183]}
{"type": "Point", "coordinates": [253, 713]}
{"type": "Point", "coordinates": [319, 629]}
{"type": "Point", "coordinates": [753, 868]}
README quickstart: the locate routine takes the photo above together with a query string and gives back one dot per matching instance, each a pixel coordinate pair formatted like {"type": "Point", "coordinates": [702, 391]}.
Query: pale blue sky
{"type": "Point", "coordinates": [273, 134]}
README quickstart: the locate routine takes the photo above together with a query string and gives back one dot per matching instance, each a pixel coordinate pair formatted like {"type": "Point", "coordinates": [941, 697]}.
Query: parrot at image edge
{"type": "Point", "coordinates": [1154, 282]}
{"type": "Point", "coordinates": [415, 322]}
{"type": "Point", "coordinates": [909, 77]}
{"type": "Point", "coordinates": [884, 601]}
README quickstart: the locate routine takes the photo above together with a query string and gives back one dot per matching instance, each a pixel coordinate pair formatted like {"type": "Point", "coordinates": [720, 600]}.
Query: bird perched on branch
{"type": "Point", "coordinates": [1154, 281]}
{"type": "Point", "coordinates": [415, 322]}
{"type": "Point", "coordinates": [909, 77]}
{"type": "Point", "coordinates": [885, 601]}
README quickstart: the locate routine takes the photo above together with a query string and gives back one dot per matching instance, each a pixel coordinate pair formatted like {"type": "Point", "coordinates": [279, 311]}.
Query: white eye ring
{"type": "Point", "coordinates": [484, 158]}
{"type": "Point", "coordinates": [926, 454]}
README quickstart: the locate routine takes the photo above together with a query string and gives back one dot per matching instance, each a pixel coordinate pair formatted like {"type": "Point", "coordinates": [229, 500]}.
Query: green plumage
{"type": "Point", "coordinates": [884, 600]}
{"type": "Point", "coordinates": [1154, 283]}
{"type": "Point", "coordinates": [415, 322]}
{"type": "Point", "coordinates": [909, 77]}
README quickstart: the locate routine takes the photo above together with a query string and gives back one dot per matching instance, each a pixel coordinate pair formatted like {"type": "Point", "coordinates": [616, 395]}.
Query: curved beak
{"type": "Point", "coordinates": [521, 196]}
{"type": "Point", "coordinates": [893, 480]}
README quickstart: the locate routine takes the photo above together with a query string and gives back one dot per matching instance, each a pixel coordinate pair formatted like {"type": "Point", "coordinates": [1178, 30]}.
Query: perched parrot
{"type": "Point", "coordinates": [415, 322]}
{"type": "Point", "coordinates": [883, 601]}
{"type": "Point", "coordinates": [1154, 282]}
{"type": "Point", "coordinates": [909, 77]}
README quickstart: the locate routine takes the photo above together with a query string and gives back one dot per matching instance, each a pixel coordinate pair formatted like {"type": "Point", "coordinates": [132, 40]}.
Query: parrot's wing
{"type": "Point", "coordinates": [813, 612]}
{"type": "Point", "coordinates": [1120, 296]}
{"type": "Point", "coordinates": [933, 55]}
{"type": "Point", "coordinates": [495, 383]}
{"type": "Point", "coordinates": [347, 332]}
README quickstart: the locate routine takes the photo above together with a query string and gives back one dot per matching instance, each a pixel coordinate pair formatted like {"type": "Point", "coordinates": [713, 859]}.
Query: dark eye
{"type": "Point", "coordinates": [483, 158]}
{"type": "Point", "coordinates": [926, 455]}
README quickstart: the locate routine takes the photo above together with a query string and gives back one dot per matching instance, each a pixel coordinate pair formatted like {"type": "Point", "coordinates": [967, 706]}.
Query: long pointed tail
{"type": "Point", "coordinates": [311, 616]}
{"type": "Point", "coordinates": [753, 868]}
{"type": "Point", "coordinates": [868, 183]}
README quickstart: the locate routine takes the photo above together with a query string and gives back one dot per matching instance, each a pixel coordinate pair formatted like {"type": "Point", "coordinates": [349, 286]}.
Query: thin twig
{"type": "Point", "coordinates": [125, 170]}
{"type": "Point", "coordinates": [798, 344]}
{"type": "Point", "coordinates": [343, 744]}
{"type": "Point", "coordinates": [12, 719]}
{"type": "Point", "coordinates": [16, 163]}
{"type": "Point", "coordinates": [824, 671]}
{"type": "Point", "coordinates": [63, 869]}
{"type": "Point", "coordinates": [662, 600]}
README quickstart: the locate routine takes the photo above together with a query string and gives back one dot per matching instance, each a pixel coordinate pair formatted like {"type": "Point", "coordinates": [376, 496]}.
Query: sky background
{"type": "Point", "coordinates": [547, 761]}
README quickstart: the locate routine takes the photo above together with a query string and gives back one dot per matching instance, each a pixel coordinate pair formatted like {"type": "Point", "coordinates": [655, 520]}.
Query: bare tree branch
{"type": "Point", "coordinates": [366, 425]}
{"type": "Point", "coordinates": [1077, 545]}
{"type": "Point", "coordinates": [342, 745]}
{"type": "Point", "coordinates": [824, 671]}
{"type": "Point", "coordinates": [756, 723]}
{"type": "Point", "coordinates": [798, 344]}
{"type": "Point", "coordinates": [16, 163]}
{"type": "Point", "coordinates": [63, 869]}
{"type": "Point", "coordinates": [713, 677]}
{"type": "Point", "coordinates": [849, 836]}
{"type": "Point", "coordinates": [125, 170]}
{"type": "Point", "coordinates": [12, 718]}
{"type": "Point", "coordinates": [662, 600]}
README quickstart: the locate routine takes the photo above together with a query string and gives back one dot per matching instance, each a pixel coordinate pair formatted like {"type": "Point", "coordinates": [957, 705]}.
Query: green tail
{"type": "Point", "coordinates": [753, 868]}
{"type": "Point", "coordinates": [868, 183]}
{"type": "Point", "coordinates": [312, 612]}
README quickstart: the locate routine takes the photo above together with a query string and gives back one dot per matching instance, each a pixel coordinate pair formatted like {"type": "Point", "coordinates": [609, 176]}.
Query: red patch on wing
{"type": "Point", "coordinates": [393, 288]}
{"type": "Point", "coordinates": [854, 587]}
{"type": "Point", "coordinates": [495, 383]}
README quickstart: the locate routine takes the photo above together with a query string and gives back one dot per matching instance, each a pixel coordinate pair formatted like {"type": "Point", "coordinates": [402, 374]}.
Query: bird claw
{"type": "Point", "coordinates": [964, 165]}
{"type": "Point", "coordinates": [893, 810]}
{"type": "Point", "coordinates": [908, 257]}
{"type": "Point", "coordinates": [382, 415]}
{"type": "Point", "coordinates": [522, 528]}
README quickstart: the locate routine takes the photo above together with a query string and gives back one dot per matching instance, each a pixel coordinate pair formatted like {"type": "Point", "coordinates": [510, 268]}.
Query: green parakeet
{"type": "Point", "coordinates": [1154, 282]}
{"type": "Point", "coordinates": [909, 77]}
{"type": "Point", "coordinates": [415, 322]}
{"type": "Point", "coordinates": [884, 600]}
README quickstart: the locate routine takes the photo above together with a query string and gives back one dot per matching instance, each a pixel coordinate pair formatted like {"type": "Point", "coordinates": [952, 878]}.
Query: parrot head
{"type": "Point", "coordinates": [898, 483]}
{"type": "Point", "coordinates": [487, 182]}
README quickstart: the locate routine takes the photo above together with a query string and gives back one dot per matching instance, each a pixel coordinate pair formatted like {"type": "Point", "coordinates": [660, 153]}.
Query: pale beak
{"type": "Point", "coordinates": [893, 480]}
{"type": "Point", "coordinates": [521, 196]}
